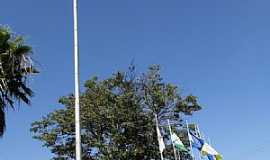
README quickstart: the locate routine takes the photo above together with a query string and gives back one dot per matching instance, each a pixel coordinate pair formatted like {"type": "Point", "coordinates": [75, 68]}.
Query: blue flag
{"type": "Point", "coordinates": [205, 148]}
{"type": "Point", "coordinates": [210, 157]}
{"type": "Point", "coordinates": [196, 142]}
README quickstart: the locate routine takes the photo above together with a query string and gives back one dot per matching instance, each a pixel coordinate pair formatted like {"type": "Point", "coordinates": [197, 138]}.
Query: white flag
{"type": "Point", "coordinates": [160, 141]}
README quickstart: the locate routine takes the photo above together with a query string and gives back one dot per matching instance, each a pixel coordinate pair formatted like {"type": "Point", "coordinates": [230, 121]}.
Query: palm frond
{"type": "Point", "coordinates": [16, 66]}
{"type": "Point", "coordinates": [2, 120]}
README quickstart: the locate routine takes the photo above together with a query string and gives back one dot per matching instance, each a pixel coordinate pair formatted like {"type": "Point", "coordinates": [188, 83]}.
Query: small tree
{"type": "Point", "coordinates": [15, 67]}
{"type": "Point", "coordinates": [117, 117]}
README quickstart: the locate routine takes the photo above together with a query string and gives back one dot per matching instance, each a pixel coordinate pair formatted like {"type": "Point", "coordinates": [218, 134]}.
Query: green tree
{"type": "Point", "coordinates": [15, 67]}
{"type": "Point", "coordinates": [117, 117]}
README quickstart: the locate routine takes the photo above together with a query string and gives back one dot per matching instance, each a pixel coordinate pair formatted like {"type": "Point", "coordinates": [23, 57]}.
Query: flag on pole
{"type": "Point", "coordinates": [190, 137]}
{"type": "Point", "coordinates": [205, 148]}
{"type": "Point", "coordinates": [178, 143]}
{"type": "Point", "coordinates": [196, 141]}
{"type": "Point", "coordinates": [190, 141]}
{"type": "Point", "coordinates": [210, 152]}
{"type": "Point", "coordinates": [160, 141]}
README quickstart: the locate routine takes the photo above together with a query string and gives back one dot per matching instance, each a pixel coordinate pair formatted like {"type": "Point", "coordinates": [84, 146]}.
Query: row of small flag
{"type": "Point", "coordinates": [195, 142]}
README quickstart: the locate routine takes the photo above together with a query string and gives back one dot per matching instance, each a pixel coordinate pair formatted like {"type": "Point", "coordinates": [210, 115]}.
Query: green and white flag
{"type": "Point", "coordinates": [178, 143]}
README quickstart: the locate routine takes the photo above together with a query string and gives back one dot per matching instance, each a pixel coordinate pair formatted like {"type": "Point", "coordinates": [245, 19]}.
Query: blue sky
{"type": "Point", "coordinates": [216, 50]}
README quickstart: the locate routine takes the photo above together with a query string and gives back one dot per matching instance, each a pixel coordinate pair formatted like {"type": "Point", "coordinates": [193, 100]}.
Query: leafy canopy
{"type": "Point", "coordinates": [117, 117]}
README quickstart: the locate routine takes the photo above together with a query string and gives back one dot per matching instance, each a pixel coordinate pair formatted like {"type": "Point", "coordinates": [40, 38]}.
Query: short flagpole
{"type": "Point", "coordinates": [170, 129]}
{"type": "Point", "coordinates": [156, 118]}
{"type": "Point", "coordinates": [77, 83]}
{"type": "Point", "coordinates": [190, 145]}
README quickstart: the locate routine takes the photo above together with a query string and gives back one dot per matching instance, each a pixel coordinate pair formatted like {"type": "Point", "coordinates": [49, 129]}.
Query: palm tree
{"type": "Point", "coordinates": [15, 68]}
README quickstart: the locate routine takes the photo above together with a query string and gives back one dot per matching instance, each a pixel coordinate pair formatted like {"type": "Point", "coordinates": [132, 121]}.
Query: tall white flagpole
{"type": "Point", "coordinates": [161, 155]}
{"type": "Point", "coordinates": [190, 145]}
{"type": "Point", "coordinates": [77, 81]}
{"type": "Point", "coordinates": [170, 129]}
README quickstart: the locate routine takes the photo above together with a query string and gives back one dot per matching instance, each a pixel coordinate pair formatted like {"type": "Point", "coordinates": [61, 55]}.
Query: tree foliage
{"type": "Point", "coordinates": [15, 67]}
{"type": "Point", "coordinates": [117, 117]}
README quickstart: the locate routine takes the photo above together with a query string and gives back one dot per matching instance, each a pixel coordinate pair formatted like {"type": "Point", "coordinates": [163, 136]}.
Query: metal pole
{"type": "Point", "coordinates": [175, 156]}
{"type": "Point", "coordinates": [77, 81]}
{"type": "Point", "coordinates": [161, 155]}
{"type": "Point", "coordinates": [190, 145]}
{"type": "Point", "coordinates": [198, 131]}
{"type": "Point", "coordinates": [200, 136]}
{"type": "Point", "coordinates": [209, 141]}
{"type": "Point", "coordinates": [179, 155]}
